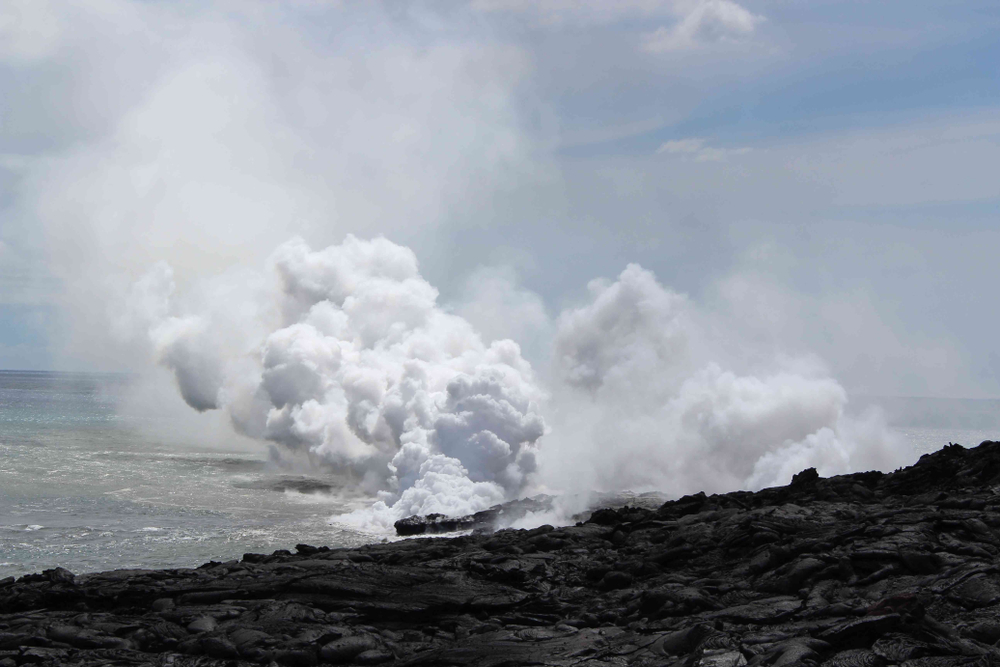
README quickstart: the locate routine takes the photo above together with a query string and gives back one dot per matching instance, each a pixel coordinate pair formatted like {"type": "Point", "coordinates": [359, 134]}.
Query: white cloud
{"type": "Point", "coordinates": [937, 160]}
{"type": "Point", "coordinates": [703, 23]}
{"type": "Point", "coordinates": [577, 12]}
{"type": "Point", "coordinates": [681, 146]}
{"type": "Point", "coordinates": [498, 307]}
{"type": "Point", "coordinates": [607, 133]}
{"type": "Point", "coordinates": [709, 154]}
{"type": "Point", "coordinates": [642, 399]}
{"type": "Point", "coordinates": [347, 356]}
{"type": "Point", "coordinates": [218, 139]}
{"type": "Point", "coordinates": [695, 148]}
{"type": "Point", "coordinates": [855, 334]}
{"type": "Point", "coordinates": [29, 30]}
{"type": "Point", "coordinates": [693, 23]}
{"type": "Point", "coordinates": [16, 163]}
{"type": "Point", "coordinates": [856, 218]}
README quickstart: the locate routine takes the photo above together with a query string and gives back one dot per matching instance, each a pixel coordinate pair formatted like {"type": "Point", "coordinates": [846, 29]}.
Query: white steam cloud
{"type": "Point", "coordinates": [357, 364]}
{"type": "Point", "coordinates": [365, 372]}
{"type": "Point", "coordinates": [642, 402]}
{"type": "Point", "coordinates": [199, 138]}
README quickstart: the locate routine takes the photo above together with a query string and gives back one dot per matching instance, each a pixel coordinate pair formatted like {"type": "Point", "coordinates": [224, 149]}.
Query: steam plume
{"type": "Point", "coordinates": [356, 364]}
{"type": "Point", "coordinates": [365, 372]}
{"type": "Point", "coordinates": [642, 402]}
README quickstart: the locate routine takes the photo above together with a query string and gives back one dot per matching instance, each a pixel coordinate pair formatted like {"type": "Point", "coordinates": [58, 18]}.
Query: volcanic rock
{"type": "Point", "coordinates": [486, 520]}
{"type": "Point", "coordinates": [864, 570]}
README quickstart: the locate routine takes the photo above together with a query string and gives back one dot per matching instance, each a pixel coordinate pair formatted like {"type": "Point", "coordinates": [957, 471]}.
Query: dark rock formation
{"type": "Point", "coordinates": [487, 520]}
{"type": "Point", "coordinates": [858, 570]}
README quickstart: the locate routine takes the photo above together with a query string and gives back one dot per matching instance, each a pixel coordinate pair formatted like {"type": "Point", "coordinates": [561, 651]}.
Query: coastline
{"type": "Point", "coordinates": [859, 569]}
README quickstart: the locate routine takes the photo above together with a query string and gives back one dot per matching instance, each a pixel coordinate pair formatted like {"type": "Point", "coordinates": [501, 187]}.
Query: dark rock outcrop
{"type": "Point", "coordinates": [485, 521]}
{"type": "Point", "coordinates": [855, 570]}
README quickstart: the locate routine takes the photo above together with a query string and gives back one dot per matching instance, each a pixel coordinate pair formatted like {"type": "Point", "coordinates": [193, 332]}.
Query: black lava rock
{"type": "Point", "coordinates": [864, 569]}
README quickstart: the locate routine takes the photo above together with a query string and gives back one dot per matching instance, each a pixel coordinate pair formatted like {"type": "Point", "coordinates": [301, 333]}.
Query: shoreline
{"type": "Point", "coordinates": [860, 569]}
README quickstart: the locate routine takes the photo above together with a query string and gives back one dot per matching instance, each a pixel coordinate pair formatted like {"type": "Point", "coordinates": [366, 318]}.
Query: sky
{"type": "Point", "coordinates": [819, 177]}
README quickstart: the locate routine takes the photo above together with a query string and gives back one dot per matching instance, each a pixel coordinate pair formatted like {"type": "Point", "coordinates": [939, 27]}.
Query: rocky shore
{"type": "Point", "coordinates": [864, 569]}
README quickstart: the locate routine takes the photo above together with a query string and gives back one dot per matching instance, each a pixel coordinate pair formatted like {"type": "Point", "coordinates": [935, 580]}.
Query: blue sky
{"type": "Point", "coordinates": [824, 174]}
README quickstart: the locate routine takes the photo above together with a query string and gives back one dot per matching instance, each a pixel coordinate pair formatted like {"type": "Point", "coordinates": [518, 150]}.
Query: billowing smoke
{"type": "Point", "coordinates": [355, 363]}
{"type": "Point", "coordinates": [642, 402]}
{"type": "Point", "coordinates": [364, 371]}
{"type": "Point", "coordinates": [200, 137]}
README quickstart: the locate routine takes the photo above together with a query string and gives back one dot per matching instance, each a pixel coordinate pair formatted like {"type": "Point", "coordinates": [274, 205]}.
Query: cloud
{"type": "Point", "coordinates": [693, 24]}
{"type": "Point", "coordinates": [353, 362]}
{"type": "Point", "coordinates": [577, 12]}
{"type": "Point", "coordinates": [848, 328]}
{"type": "Point", "coordinates": [347, 356]}
{"type": "Point", "coordinates": [499, 307]}
{"type": "Point", "coordinates": [205, 142]}
{"type": "Point", "coordinates": [695, 148]}
{"type": "Point", "coordinates": [848, 227]}
{"type": "Point", "coordinates": [701, 24]}
{"type": "Point", "coordinates": [15, 163]}
{"type": "Point", "coordinates": [207, 135]}
{"type": "Point", "coordinates": [681, 146]}
{"type": "Point", "coordinates": [642, 400]}
{"type": "Point", "coordinates": [30, 30]}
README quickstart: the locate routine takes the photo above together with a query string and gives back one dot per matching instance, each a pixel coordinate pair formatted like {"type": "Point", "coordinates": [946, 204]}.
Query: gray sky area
{"type": "Point", "coordinates": [820, 178]}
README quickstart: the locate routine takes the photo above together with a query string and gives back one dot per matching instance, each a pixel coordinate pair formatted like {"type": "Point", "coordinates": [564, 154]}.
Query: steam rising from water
{"type": "Point", "coordinates": [642, 402]}
{"type": "Point", "coordinates": [216, 132]}
{"type": "Point", "coordinates": [347, 355]}
{"type": "Point", "coordinates": [362, 369]}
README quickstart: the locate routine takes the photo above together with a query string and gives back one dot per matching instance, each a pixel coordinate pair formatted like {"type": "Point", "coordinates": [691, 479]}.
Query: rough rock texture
{"type": "Point", "coordinates": [858, 570]}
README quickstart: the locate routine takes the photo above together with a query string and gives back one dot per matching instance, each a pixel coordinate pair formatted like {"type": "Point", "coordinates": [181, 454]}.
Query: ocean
{"type": "Point", "coordinates": [86, 487]}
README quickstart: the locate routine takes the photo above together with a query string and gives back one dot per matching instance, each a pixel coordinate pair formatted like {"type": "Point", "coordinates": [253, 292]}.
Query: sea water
{"type": "Point", "coordinates": [86, 487]}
